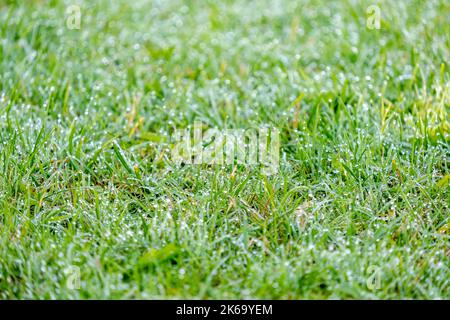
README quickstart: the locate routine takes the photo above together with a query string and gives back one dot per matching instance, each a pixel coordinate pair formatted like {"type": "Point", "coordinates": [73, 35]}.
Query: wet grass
{"type": "Point", "coordinates": [359, 207]}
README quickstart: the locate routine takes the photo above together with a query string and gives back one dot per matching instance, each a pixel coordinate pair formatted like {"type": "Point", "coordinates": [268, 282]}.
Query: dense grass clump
{"type": "Point", "coordinates": [359, 207]}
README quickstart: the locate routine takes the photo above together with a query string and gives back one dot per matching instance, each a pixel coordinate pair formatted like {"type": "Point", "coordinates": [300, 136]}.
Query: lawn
{"type": "Point", "coordinates": [94, 206]}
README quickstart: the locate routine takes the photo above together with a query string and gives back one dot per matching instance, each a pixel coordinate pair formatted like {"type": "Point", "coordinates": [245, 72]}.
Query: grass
{"type": "Point", "coordinates": [86, 181]}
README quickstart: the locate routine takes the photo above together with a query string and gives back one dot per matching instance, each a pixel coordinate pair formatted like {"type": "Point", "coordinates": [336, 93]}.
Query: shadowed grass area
{"type": "Point", "coordinates": [359, 207]}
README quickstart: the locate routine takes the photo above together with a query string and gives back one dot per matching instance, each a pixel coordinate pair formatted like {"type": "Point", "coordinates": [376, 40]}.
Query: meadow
{"type": "Point", "coordinates": [92, 205]}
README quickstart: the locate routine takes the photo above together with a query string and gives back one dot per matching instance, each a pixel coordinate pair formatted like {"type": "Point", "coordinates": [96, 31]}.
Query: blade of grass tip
{"type": "Point", "coordinates": [40, 140]}
{"type": "Point", "coordinates": [65, 104]}
{"type": "Point", "coordinates": [123, 160]}
{"type": "Point", "coordinates": [71, 136]}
